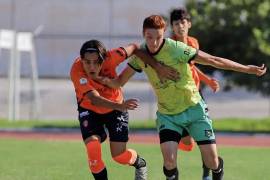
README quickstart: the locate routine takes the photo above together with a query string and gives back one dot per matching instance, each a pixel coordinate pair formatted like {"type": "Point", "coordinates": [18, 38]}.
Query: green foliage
{"type": "Point", "coordinates": [238, 30]}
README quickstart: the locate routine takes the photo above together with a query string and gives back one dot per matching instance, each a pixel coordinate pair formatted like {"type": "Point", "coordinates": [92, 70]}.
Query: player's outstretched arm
{"type": "Point", "coordinates": [211, 82]}
{"type": "Point", "coordinates": [227, 64]}
{"type": "Point", "coordinates": [119, 81]}
{"type": "Point", "coordinates": [163, 72]}
{"type": "Point", "coordinates": [98, 100]}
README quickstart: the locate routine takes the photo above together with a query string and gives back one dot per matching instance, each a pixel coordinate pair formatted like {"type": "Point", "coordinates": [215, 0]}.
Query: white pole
{"type": "Point", "coordinates": [12, 64]}
{"type": "Point", "coordinates": [11, 99]}
{"type": "Point", "coordinates": [17, 85]}
{"type": "Point", "coordinates": [36, 107]}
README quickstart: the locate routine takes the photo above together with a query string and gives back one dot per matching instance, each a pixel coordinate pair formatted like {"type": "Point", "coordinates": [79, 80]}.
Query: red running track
{"type": "Point", "coordinates": [150, 138]}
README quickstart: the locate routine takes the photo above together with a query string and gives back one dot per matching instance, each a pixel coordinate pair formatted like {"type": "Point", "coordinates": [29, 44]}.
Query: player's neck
{"type": "Point", "coordinates": [182, 39]}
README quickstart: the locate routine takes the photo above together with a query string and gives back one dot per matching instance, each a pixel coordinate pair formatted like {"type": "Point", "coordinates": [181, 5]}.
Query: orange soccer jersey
{"type": "Point", "coordinates": [193, 42]}
{"type": "Point", "coordinates": [83, 84]}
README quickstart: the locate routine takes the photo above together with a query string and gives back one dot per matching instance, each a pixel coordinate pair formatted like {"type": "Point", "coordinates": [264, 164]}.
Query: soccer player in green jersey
{"type": "Point", "coordinates": [179, 102]}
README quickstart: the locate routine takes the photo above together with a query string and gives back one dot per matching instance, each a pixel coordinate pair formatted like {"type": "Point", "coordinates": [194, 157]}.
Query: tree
{"type": "Point", "coordinates": [236, 29]}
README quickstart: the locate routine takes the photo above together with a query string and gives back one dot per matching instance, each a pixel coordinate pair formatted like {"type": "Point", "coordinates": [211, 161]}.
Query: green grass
{"type": "Point", "coordinates": [58, 160]}
{"type": "Point", "coordinates": [232, 124]}
{"type": "Point", "coordinates": [229, 124]}
{"type": "Point", "coordinates": [38, 124]}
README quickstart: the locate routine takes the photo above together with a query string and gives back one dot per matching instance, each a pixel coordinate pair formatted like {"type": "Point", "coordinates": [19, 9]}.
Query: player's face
{"type": "Point", "coordinates": [181, 27]}
{"type": "Point", "coordinates": [154, 39]}
{"type": "Point", "coordinates": [91, 64]}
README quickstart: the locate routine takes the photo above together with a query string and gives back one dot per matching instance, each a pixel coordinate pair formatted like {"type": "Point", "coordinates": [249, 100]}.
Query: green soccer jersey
{"type": "Point", "coordinates": [173, 96]}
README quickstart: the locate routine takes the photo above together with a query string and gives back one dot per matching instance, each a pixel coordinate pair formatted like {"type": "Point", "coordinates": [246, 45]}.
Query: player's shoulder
{"type": "Point", "coordinates": [77, 63]}
{"type": "Point", "coordinates": [192, 41]}
{"type": "Point", "coordinates": [170, 41]}
{"type": "Point", "coordinates": [191, 38]}
{"type": "Point", "coordinates": [173, 44]}
{"type": "Point", "coordinates": [76, 67]}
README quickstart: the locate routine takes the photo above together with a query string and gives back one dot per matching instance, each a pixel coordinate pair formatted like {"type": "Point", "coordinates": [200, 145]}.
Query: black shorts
{"type": "Point", "coordinates": [169, 135]}
{"type": "Point", "coordinates": [92, 123]}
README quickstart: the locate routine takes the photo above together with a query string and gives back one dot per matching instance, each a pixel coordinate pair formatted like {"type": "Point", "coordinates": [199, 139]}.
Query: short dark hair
{"type": "Point", "coordinates": [179, 14]}
{"type": "Point", "coordinates": [94, 46]}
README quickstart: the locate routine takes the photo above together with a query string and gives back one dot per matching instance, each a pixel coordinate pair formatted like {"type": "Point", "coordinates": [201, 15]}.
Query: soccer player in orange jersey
{"type": "Point", "coordinates": [101, 107]}
{"type": "Point", "coordinates": [181, 23]}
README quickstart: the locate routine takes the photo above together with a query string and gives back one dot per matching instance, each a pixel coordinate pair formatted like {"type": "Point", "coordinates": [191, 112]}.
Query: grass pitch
{"type": "Point", "coordinates": [58, 160]}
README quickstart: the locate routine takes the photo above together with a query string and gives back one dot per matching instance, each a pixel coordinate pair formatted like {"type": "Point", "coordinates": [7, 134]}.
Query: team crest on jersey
{"type": "Point", "coordinates": [83, 81]}
{"type": "Point", "coordinates": [208, 133]}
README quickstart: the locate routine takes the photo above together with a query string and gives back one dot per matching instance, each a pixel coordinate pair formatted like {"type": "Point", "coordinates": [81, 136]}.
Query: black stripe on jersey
{"type": "Point", "coordinates": [193, 57]}
{"type": "Point", "coordinates": [135, 69]}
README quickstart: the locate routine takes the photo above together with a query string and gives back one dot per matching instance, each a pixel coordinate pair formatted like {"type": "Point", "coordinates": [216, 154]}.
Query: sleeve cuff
{"type": "Point", "coordinates": [126, 55]}
{"type": "Point", "coordinates": [135, 69]}
{"type": "Point", "coordinates": [193, 57]}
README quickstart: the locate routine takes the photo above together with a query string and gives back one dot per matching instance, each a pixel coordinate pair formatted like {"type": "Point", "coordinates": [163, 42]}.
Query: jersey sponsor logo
{"type": "Point", "coordinates": [83, 81]}
{"type": "Point", "coordinates": [208, 133]}
{"type": "Point", "coordinates": [187, 52]}
{"type": "Point", "coordinates": [162, 85]}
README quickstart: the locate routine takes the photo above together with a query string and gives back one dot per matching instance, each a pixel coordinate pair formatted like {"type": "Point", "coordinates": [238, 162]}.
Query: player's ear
{"type": "Point", "coordinates": [143, 32]}
{"type": "Point", "coordinates": [189, 24]}
{"type": "Point", "coordinates": [165, 28]}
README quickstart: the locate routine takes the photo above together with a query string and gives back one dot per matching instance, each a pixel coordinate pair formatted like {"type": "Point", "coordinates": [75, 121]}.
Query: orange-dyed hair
{"type": "Point", "coordinates": [154, 22]}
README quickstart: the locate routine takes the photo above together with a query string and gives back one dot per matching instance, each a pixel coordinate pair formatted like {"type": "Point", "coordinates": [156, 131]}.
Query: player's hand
{"type": "Point", "coordinates": [102, 80]}
{"type": "Point", "coordinates": [129, 104]}
{"type": "Point", "coordinates": [214, 85]}
{"type": "Point", "coordinates": [165, 72]}
{"type": "Point", "coordinates": [259, 71]}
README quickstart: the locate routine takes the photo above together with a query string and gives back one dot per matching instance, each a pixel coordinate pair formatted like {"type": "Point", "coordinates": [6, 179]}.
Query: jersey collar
{"type": "Point", "coordinates": [155, 53]}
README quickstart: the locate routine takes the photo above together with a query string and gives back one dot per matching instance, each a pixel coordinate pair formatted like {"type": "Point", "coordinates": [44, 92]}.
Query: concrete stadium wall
{"type": "Point", "coordinates": [66, 24]}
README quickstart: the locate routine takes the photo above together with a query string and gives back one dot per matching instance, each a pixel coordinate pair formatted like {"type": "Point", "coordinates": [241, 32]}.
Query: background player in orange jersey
{"type": "Point", "coordinates": [101, 107]}
{"type": "Point", "coordinates": [181, 23]}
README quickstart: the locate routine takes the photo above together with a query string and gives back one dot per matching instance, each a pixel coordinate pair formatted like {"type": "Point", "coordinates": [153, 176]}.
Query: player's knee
{"type": "Point", "coordinates": [128, 157]}
{"type": "Point", "coordinates": [170, 163]}
{"type": "Point", "coordinates": [95, 162]}
{"type": "Point", "coordinates": [212, 162]}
